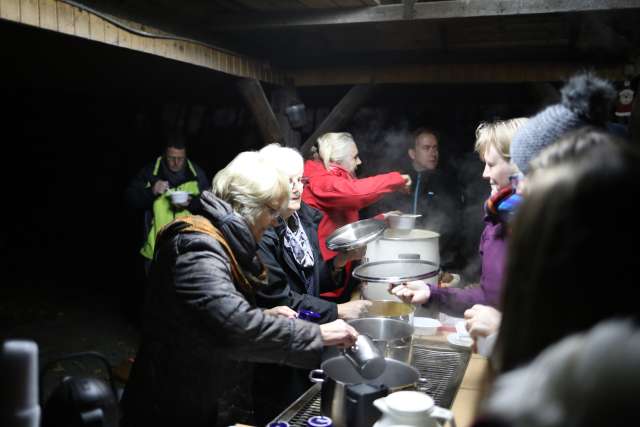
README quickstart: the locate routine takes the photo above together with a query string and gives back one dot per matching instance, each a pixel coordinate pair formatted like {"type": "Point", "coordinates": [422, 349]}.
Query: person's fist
{"type": "Point", "coordinates": [407, 183]}
{"type": "Point", "coordinates": [281, 311]}
{"type": "Point", "coordinates": [160, 187]}
{"type": "Point", "coordinates": [338, 333]}
{"type": "Point", "coordinates": [353, 309]}
{"type": "Point", "coordinates": [416, 292]}
{"type": "Point", "coordinates": [482, 320]}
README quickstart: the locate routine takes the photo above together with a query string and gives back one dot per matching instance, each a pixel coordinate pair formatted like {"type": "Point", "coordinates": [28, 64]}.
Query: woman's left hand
{"type": "Point", "coordinates": [282, 311]}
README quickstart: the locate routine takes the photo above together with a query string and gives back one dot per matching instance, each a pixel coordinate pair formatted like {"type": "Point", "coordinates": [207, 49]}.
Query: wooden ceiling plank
{"type": "Point", "coordinates": [448, 9]}
{"type": "Point", "coordinates": [451, 73]}
{"type": "Point", "coordinates": [318, 4]}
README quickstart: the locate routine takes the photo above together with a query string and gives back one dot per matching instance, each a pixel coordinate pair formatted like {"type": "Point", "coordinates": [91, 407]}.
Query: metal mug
{"type": "Point", "coordinates": [366, 357]}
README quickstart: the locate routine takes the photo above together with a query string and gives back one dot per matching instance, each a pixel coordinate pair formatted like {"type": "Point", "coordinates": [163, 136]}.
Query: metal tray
{"type": "Point", "coordinates": [396, 271]}
{"type": "Point", "coordinates": [355, 235]}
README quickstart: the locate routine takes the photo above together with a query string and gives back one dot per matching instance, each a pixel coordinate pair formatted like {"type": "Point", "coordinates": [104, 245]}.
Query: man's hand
{"type": "Point", "coordinates": [338, 333]}
{"type": "Point", "coordinates": [407, 183]}
{"type": "Point", "coordinates": [482, 320]}
{"type": "Point", "coordinates": [415, 292]}
{"type": "Point", "coordinates": [160, 187]}
{"type": "Point", "coordinates": [281, 311]}
{"type": "Point", "coordinates": [353, 309]}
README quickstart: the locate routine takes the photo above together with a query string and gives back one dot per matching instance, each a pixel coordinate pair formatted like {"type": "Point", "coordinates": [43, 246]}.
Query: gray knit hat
{"type": "Point", "coordinates": [586, 100]}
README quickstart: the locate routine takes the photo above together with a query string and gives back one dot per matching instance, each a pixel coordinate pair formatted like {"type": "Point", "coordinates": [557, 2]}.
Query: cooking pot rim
{"type": "Point", "coordinates": [393, 235]}
{"type": "Point", "coordinates": [389, 361]}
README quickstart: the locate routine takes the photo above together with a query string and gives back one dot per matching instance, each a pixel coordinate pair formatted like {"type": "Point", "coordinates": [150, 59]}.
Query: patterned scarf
{"type": "Point", "coordinates": [297, 242]}
{"type": "Point", "coordinates": [503, 205]}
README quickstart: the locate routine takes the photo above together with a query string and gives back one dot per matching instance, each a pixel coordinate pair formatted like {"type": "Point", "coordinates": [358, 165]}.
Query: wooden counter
{"type": "Point", "coordinates": [469, 393]}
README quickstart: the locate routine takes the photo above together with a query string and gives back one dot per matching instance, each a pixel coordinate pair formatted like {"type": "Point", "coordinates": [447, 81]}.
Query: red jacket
{"type": "Point", "coordinates": [339, 196]}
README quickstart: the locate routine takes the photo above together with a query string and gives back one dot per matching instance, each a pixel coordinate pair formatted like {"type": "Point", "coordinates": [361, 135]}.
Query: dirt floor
{"type": "Point", "coordinates": [63, 321]}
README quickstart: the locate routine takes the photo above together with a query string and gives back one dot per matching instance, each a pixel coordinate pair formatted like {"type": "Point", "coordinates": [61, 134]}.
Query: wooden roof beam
{"type": "Point", "coordinates": [450, 73]}
{"type": "Point", "coordinates": [437, 10]}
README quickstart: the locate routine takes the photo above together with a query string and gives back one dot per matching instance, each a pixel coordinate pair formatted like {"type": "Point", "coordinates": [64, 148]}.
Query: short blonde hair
{"type": "Point", "coordinates": [250, 184]}
{"type": "Point", "coordinates": [335, 147]}
{"type": "Point", "coordinates": [287, 160]}
{"type": "Point", "coordinates": [497, 134]}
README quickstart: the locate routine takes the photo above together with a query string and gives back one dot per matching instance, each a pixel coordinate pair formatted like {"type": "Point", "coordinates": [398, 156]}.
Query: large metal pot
{"type": "Point", "coordinates": [392, 337]}
{"type": "Point", "coordinates": [337, 372]}
{"type": "Point", "coordinates": [415, 244]}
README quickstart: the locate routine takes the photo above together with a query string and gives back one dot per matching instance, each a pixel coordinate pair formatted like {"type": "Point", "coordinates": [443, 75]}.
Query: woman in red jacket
{"type": "Point", "coordinates": [336, 192]}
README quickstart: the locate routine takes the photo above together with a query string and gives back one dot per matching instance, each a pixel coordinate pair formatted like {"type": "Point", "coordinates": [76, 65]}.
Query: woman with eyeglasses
{"type": "Point", "coordinates": [297, 271]}
{"type": "Point", "coordinates": [201, 323]}
{"type": "Point", "coordinates": [492, 144]}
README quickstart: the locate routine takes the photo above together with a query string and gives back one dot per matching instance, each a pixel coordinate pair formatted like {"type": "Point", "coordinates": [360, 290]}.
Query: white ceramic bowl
{"type": "Point", "coordinates": [426, 325]}
{"type": "Point", "coordinates": [179, 197]}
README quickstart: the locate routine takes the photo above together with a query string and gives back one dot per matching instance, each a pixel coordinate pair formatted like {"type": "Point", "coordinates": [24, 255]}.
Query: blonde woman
{"type": "Point", "coordinates": [201, 319]}
{"type": "Point", "coordinates": [335, 190]}
{"type": "Point", "coordinates": [492, 144]}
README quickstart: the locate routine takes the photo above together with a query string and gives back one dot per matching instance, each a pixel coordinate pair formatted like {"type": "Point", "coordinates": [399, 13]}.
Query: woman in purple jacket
{"type": "Point", "coordinates": [492, 144]}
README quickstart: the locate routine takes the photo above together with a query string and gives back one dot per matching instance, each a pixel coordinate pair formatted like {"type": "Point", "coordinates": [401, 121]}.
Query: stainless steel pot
{"type": "Point", "coordinates": [392, 337]}
{"type": "Point", "coordinates": [337, 372]}
{"type": "Point", "coordinates": [402, 222]}
{"type": "Point", "coordinates": [417, 244]}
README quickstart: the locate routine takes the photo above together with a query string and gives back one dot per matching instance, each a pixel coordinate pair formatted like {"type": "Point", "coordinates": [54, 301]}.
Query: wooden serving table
{"type": "Point", "coordinates": [469, 394]}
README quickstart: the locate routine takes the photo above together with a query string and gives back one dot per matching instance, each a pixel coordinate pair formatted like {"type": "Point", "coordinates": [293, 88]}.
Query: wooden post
{"type": "Point", "coordinates": [256, 100]}
{"type": "Point", "coordinates": [340, 114]}
{"type": "Point", "coordinates": [281, 98]}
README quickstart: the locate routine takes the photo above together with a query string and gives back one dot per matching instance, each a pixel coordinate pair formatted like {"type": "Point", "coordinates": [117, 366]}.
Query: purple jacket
{"type": "Point", "coordinates": [493, 249]}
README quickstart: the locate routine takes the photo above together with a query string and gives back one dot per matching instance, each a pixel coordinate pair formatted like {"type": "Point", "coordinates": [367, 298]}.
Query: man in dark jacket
{"type": "Point", "coordinates": [149, 192]}
{"type": "Point", "coordinates": [435, 194]}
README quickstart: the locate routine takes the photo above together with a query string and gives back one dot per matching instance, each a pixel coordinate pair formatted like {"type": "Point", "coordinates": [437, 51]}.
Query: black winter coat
{"type": "Point", "coordinates": [196, 323]}
{"type": "Point", "coordinates": [275, 387]}
{"type": "Point", "coordinates": [287, 282]}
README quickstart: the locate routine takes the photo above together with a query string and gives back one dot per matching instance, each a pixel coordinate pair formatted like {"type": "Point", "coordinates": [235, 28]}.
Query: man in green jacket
{"type": "Point", "coordinates": [151, 189]}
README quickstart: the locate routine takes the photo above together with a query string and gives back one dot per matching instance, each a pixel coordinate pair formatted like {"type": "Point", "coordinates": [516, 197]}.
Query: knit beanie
{"type": "Point", "coordinates": [586, 100]}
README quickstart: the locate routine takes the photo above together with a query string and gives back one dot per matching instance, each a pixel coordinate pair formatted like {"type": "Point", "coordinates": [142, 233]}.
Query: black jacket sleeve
{"type": "Point", "coordinates": [282, 288]}
{"type": "Point", "coordinates": [138, 195]}
{"type": "Point", "coordinates": [203, 184]}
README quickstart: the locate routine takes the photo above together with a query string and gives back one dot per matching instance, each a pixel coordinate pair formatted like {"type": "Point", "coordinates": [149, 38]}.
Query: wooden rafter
{"type": "Point", "coordinates": [450, 73]}
{"type": "Point", "coordinates": [437, 10]}
{"type": "Point", "coordinates": [61, 17]}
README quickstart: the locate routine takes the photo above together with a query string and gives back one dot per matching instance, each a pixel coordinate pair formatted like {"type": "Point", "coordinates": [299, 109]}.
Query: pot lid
{"type": "Point", "coordinates": [355, 235]}
{"type": "Point", "coordinates": [396, 271]}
